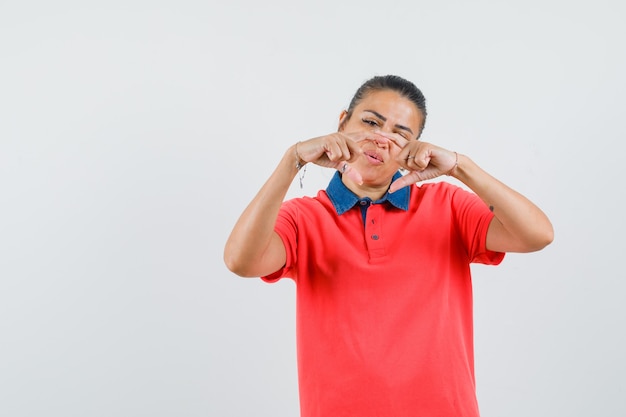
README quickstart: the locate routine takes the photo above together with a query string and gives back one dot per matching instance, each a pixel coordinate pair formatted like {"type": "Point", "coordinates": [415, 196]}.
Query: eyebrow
{"type": "Point", "coordinates": [384, 119]}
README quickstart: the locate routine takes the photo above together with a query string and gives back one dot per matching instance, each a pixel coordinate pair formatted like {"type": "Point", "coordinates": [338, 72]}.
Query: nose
{"type": "Point", "coordinates": [381, 142]}
{"type": "Point", "coordinates": [380, 139]}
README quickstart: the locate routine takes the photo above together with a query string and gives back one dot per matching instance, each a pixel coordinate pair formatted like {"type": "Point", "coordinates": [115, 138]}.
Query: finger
{"type": "Point", "coordinates": [422, 159]}
{"type": "Point", "coordinates": [350, 172]}
{"type": "Point", "coordinates": [394, 138]}
{"type": "Point", "coordinates": [349, 149]}
{"type": "Point", "coordinates": [408, 179]}
{"type": "Point", "coordinates": [404, 158]}
{"type": "Point", "coordinates": [407, 158]}
{"type": "Point", "coordinates": [367, 135]}
{"type": "Point", "coordinates": [333, 151]}
{"type": "Point", "coordinates": [353, 174]}
{"type": "Point", "coordinates": [353, 150]}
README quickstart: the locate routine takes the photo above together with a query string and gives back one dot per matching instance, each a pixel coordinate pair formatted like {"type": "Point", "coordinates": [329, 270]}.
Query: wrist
{"type": "Point", "coordinates": [465, 170]}
{"type": "Point", "coordinates": [456, 165]}
{"type": "Point", "coordinates": [299, 161]}
{"type": "Point", "coordinates": [299, 164]}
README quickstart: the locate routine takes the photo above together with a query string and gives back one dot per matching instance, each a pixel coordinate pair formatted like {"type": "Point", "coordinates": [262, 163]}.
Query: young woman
{"type": "Point", "coordinates": [381, 264]}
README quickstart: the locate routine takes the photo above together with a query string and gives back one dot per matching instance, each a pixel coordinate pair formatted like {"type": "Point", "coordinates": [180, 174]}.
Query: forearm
{"type": "Point", "coordinates": [251, 249]}
{"type": "Point", "coordinates": [519, 225]}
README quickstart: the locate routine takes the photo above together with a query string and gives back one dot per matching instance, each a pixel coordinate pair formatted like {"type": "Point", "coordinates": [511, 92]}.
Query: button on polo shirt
{"type": "Point", "coordinates": [343, 199]}
{"type": "Point", "coordinates": [371, 211]}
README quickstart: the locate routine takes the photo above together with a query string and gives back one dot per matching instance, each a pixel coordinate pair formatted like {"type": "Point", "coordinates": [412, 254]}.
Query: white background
{"type": "Point", "coordinates": [133, 134]}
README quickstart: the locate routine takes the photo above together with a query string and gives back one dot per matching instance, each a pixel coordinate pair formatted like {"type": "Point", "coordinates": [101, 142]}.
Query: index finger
{"type": "Point", "coordinates": [354, 148]}
{"type": "Point", "coordinates": [373, 135]}
{"type": "Point", "coordinates": [396, 139]}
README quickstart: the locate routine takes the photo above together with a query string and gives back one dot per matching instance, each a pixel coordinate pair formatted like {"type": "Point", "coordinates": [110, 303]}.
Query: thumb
{"type": "Point", "coordinates": [350, 172]}
{"type": "Point", "coordinates": [403, 181]}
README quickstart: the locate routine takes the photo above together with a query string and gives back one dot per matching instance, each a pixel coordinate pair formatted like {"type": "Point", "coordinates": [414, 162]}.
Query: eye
{"type": "Point", "coordinates": [370, 122]}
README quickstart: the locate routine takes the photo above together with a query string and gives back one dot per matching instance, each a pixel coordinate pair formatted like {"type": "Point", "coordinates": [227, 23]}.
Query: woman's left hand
{"type": "Point", "coordinates": [423, 160]}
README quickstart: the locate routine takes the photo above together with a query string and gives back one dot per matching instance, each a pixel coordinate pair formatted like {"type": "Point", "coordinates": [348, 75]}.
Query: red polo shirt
{"type": "Point", "coordinates": [384, 299]}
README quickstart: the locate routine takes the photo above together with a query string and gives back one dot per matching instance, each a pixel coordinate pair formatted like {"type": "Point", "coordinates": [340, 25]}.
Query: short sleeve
{"type": "Point", "coordinates": [287, 229]}
{"type": "Point", "coordinates": [472, 218]}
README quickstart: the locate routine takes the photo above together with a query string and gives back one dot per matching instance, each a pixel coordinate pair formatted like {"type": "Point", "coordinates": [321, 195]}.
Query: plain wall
{"type": "Point", "coordinates": [133, 134]}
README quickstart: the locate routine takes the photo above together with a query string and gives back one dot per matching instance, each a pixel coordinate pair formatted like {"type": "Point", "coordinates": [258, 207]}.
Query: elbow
{"type": "Point", "coordinates": [234, 266]}
{"type": "Point", "coordinates": [548, 234]}
{"type": "Point", "coordinates": [543, 239]}
{"type": "Point", "coordinates": [548, 237]}
{"type": "Point", "coordinates": [237, 269]}
{"type": "Point", "coordinates": [532, 241]}
{"type": "Point", "coordinates": [234, 262]}
{"type": "Point", "coordinates": [238, 265]}
{"type": "Point", "coordinates": [231, 264]}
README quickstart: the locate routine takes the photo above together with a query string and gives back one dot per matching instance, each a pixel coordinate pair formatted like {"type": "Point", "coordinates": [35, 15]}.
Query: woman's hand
{"type": "Point", "coordinates": [423, 160]}
{"type": "Point", "coordinates": [518, 224]}
{"type": "Point", "coordinates": [336, 150]}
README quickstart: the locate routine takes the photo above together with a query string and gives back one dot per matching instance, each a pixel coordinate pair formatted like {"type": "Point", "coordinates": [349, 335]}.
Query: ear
{"type": "Point", "coordinates": [343, 118]}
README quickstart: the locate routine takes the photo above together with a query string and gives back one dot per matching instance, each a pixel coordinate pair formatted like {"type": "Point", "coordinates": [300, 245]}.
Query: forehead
{"type": "Point", "coordinates": [393, 106]}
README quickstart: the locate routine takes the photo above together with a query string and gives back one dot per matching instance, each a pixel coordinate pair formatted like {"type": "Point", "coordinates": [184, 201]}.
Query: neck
{"type": "Point", "coordinates": [373, 192]}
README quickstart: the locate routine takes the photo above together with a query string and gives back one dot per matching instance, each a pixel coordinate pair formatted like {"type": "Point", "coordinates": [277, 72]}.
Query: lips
{"type": "Point", "coordinates": [373, 157]}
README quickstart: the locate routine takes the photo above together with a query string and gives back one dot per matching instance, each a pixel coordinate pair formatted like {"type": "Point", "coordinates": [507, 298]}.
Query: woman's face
{"type": "Point", "coordinates": [385, 111]}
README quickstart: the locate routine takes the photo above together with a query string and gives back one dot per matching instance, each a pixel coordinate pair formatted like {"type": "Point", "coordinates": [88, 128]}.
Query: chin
{"type": "Point", "coordinates": [379, 174]}
{"type": "Point", "coordinates": [376, 180]}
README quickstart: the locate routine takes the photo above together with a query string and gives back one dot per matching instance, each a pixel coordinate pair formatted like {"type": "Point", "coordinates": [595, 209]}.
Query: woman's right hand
{"type": "Point", "coordinates": [336, 150]}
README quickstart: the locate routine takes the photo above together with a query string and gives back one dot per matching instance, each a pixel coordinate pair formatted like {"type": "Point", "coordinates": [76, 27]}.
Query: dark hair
{"type": "Point", "coordinates": [390, 82]}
